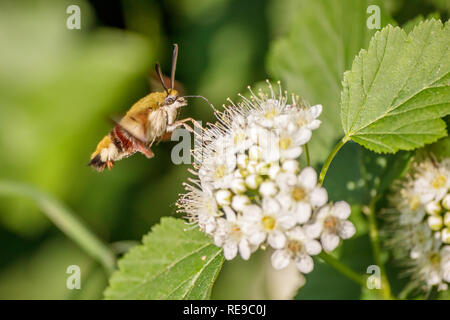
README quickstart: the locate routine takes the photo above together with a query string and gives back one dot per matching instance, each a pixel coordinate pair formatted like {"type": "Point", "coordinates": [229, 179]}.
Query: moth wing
{"type": "Point", "coordinates": [131, 127]}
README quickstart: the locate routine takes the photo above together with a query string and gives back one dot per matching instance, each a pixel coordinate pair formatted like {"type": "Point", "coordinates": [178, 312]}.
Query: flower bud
{"type": "Point", "coordinates": [433, 207]}
{"type": "Point", "coordinates": [268, 189]}
{"type": "Point", "coordinates": [435, 222]}
{"type": "Point", "coordinates": [445, 235]}
{"type": "Point", "coordinates": [238, 185]}
{"type": "Point", "coordinates": [446, 201]}
{"type": "Point", "coordinates": [253, 181]}
{"type": "Point", "coordinates": [242, 160]}
{"type": "Point", "coordinates": [273, 171]}
{"type": "Point", "coordinates": [262, 168]}
{"type": "Point", "coordinates": [223, 197]}
{"type": "Point", "coordinates": [239, 202]}
{"type": "Point", "coordinates": [291, 166]}
{"type": "Point", "coordinates": [447, 219]}
{"type": "Point", "coordinates": [251, 167]}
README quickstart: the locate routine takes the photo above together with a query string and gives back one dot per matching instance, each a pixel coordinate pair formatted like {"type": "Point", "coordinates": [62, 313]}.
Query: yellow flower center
{"type": "Point", "coordinates": [294, 246]}
{"type": "Point", "coordinates": [268, 223]}
{"type": "Point", "coordinates": [301, 121]}
{"type": "Point", "coordinates": [235, 232]}
{"type": "Point", "coordinates": [439, 182]}
{"type": "Point", "coordinates": [270, 114]}
{"type": "Point", "coordinates": [435, 259]}
{"type": "Point", "coordinates": [330, 223]}
{"type": "Point", "coordinates": [238, 138]}
{"type": "Point", "coordinates": [285, 143]}
{"type": "Point", "coordinates": [298, 194]}
{"type": "Point", "coordinates": [220, 171]}
{"type": "Point", "coordinates": [414, 203]}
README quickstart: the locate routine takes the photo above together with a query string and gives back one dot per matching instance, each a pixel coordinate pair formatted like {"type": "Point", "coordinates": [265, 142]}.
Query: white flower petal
{"type": "Point", "coordinates": [313, 247]}
{"type": "Point", "coordinates": [316, 110]}
{"type": "Point", "coordinates": [273, 171]}
{"type": "Point", "coordinates": [329, 241]}
{"type": "Point", "coordinates": [302, 136]}
{"type": "Point", "coordinates": [318, 197]}
{"type": "Point", "coordinates": [302, 212]}
{"type": "Point", "coordinates": [298, 234]}
{"type": "Point", "coordinates": [308, 178]}
{"type": "Point", "coordinates": [313, 230]}
{"type": "Point", "coordinates": [239, 202]}
{"type": "Point", "coordinates": [305, 264]}
{"type": "Point", "coordinates": [323, 213]}
{"type": "Point", "coordinates": [276, 239]}
{"type": "Point", "coordinates": [218, 239]}
{"type": "Point", "coordinates": [446, 201]}
{"type": "Point", "coordinates": [252, 212]}
{"type": "Point", "coordinates": [271, 205]}
{"type": "Point", "coordinates": [282, 120]}
{"type": "Point", "coordinates": [268, 189]}
{"type": "Point", "coordinates": [280, 259]}
{"type": "Point", "coordinates": [291, 153]}
{"type": "Point", "coordinates": [254, 153]}
{"type": "Point", "coordinates": [244, 249]}
{"type": "Point", "coordinates": [253, 181]}
{"type": "Point", "coordinates": [284, 200]}
{"type": "Point", "coordinates": [346, 229]}
{"type": "Point", "coordinates": [230, 250]}
{"type": "Point", "coordinates": [290, 166]}
{"type": "Point", "coordinates": [271, 153]}
{"type": "Point", "coordinates": [286, 180]}
{"type": "Point", "coordinates": [242, 160]}
{"type": "Point", "coordinates": [230, 214]}
{"type": "Point", "coordinates": [257, 238]}
{"type": "Point", "coordinates": [238, 185]}
{"type": "Point", "coordinates": [314, 124]}
{"type": "Point", "coordinates": [341, 209]}
{"type": "Point", "coordinates": [287, 221]}
{"type": "Point", "coordinates": [446, 275]}
{"type": "Point", "coordinates": [223, 197]}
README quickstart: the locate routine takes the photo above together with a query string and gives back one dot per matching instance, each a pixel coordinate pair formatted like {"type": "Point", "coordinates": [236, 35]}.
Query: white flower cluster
{"type": "Point", "coordinates": [420, 226]}
{"type": "Point", "coordinates": [251, 191]}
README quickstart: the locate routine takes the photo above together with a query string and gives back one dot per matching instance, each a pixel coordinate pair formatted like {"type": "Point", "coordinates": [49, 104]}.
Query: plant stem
{"type": "Point", "coordinates": [375, 240]}
{"type": "Point", "coordinates": [65, 220]}
{"type": "Point", "coordinates": [308, 162]}
{"type": "Point", "coordinates": [342, 268]}
{"type": "Point", "coordinates": [332, 261]}
{"type": "Point", "coordinates": [330, 158]}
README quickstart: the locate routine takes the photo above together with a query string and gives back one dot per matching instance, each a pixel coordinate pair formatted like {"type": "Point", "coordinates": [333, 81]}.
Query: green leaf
{"type": "Point", "coordinates": [323, 38]}
{"type": "Point", "coordinates": [174, 262]}
{"type": "Point", "coordinates": [440, 149]}
{"type": "Point", "coordinates": [398, 90]}
{"type": "Point", "coordinates": [408, 26]}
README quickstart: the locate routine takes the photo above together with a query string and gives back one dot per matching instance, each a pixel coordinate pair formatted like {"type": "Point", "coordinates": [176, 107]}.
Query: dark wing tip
{"type": "Point", "coordinates": [97, 163]}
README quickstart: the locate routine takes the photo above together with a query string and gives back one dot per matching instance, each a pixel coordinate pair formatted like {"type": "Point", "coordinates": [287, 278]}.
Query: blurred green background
{"type": "Point", "coordinates": [59, 86]}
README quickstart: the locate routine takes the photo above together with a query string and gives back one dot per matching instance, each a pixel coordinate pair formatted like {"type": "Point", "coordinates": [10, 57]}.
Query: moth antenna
{"type": "Point", "coordinates": [174, 65]}
{"type": "Point", "coordinates": [159, 73]}
{"type": "Point", "coordinates": [202, 97]}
